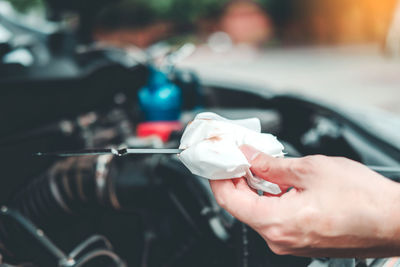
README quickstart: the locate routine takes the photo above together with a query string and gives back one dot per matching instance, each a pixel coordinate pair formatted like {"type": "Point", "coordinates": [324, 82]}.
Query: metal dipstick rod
{"type": "Point", "coordinates": [117, 152]}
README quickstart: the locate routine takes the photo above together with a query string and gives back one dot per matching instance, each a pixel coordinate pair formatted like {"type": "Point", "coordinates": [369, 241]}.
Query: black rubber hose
{"type": "Point", "coordinates": [67, 188]}
{"type": "Point", "coordinates": [86, 184]}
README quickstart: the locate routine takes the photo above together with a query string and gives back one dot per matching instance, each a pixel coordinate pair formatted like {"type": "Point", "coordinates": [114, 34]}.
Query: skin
{"type": "Point", "coordinates": [336, 208]}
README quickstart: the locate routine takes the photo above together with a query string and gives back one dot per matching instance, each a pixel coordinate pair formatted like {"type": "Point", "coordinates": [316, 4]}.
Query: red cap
{"type": "Point", "coordinates": [162, 129]}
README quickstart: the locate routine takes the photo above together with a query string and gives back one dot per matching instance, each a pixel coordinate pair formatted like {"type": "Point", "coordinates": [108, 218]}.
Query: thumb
{"type": "Point", "coordinates": [241, 202]}
{"type": "Point", "coordinates": [275, 170]}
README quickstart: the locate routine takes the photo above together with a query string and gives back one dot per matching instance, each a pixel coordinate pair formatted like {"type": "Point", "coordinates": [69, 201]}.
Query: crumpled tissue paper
{"type": "Point", "coordinates": [211, 148]}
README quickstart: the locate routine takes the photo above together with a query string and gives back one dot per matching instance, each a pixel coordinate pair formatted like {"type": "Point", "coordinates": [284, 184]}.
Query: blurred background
{"type": "Point", "coordinates": [337, 50]}
{"type": "Point", "coordinates": [89, 74]}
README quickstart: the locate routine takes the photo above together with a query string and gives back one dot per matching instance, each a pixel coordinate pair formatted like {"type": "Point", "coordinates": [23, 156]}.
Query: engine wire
{"type": "Point", "coordinates": [87, 243]}
{"type": "Point", "coordinates": [100, 253]}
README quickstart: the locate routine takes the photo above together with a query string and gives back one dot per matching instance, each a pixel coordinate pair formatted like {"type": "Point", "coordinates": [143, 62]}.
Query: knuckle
{"type": "Point", "coordinates": [319, 158]}
{"type": "Point", "coordinates": [279, 242]}
{"type": "Point", "coordinates": [301, 166]}
{"type": "Point", "coordinates": [274, 234]}
{"type": "Point", "coordinates": [340, 160]}
{"type": "Point", "coordinates": [307, 164]}
{"type": "Point", "coordinates": [264, 169]}
{"type": "Point", "coordinates": [261, 164]}
{"type": "Point", "coordinates": [278, 250]}
{"type": "Point", "coordinates": [221, 200]}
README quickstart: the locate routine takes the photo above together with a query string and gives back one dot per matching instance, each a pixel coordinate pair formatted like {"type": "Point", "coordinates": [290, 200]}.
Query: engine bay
{"type": "Point", "coordinates": [136, 210]}
{"type": "Point", "coordinates": [142, 210]}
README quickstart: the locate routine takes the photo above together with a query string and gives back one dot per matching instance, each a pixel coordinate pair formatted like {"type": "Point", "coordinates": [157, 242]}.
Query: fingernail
{"type": "Point", "coordinates": [249, 152]}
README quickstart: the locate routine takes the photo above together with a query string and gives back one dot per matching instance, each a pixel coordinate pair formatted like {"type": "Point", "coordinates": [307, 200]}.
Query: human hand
{"type": "Point", "coordinates": [337, 207]}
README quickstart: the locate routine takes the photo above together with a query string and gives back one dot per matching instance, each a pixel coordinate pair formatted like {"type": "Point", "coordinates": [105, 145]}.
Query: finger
{"type": "Point", "coordinates": [284, 172]}
{"type": "Point", "coordinates": [240, 201]}
{"type": "Point", "coordinates": [235, 181]}
{"type": "Point", "coordinates": [284, 189]}
{"type": "Point", "coordinates": [242, 184]}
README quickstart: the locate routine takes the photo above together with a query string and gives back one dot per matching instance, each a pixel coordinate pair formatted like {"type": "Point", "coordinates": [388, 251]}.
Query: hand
{"type": "Point", "coordinates": [337, 207]}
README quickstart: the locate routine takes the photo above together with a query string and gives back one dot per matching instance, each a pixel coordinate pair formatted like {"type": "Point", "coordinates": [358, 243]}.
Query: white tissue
{"type": "Point", "coordinates": [211, 148]}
